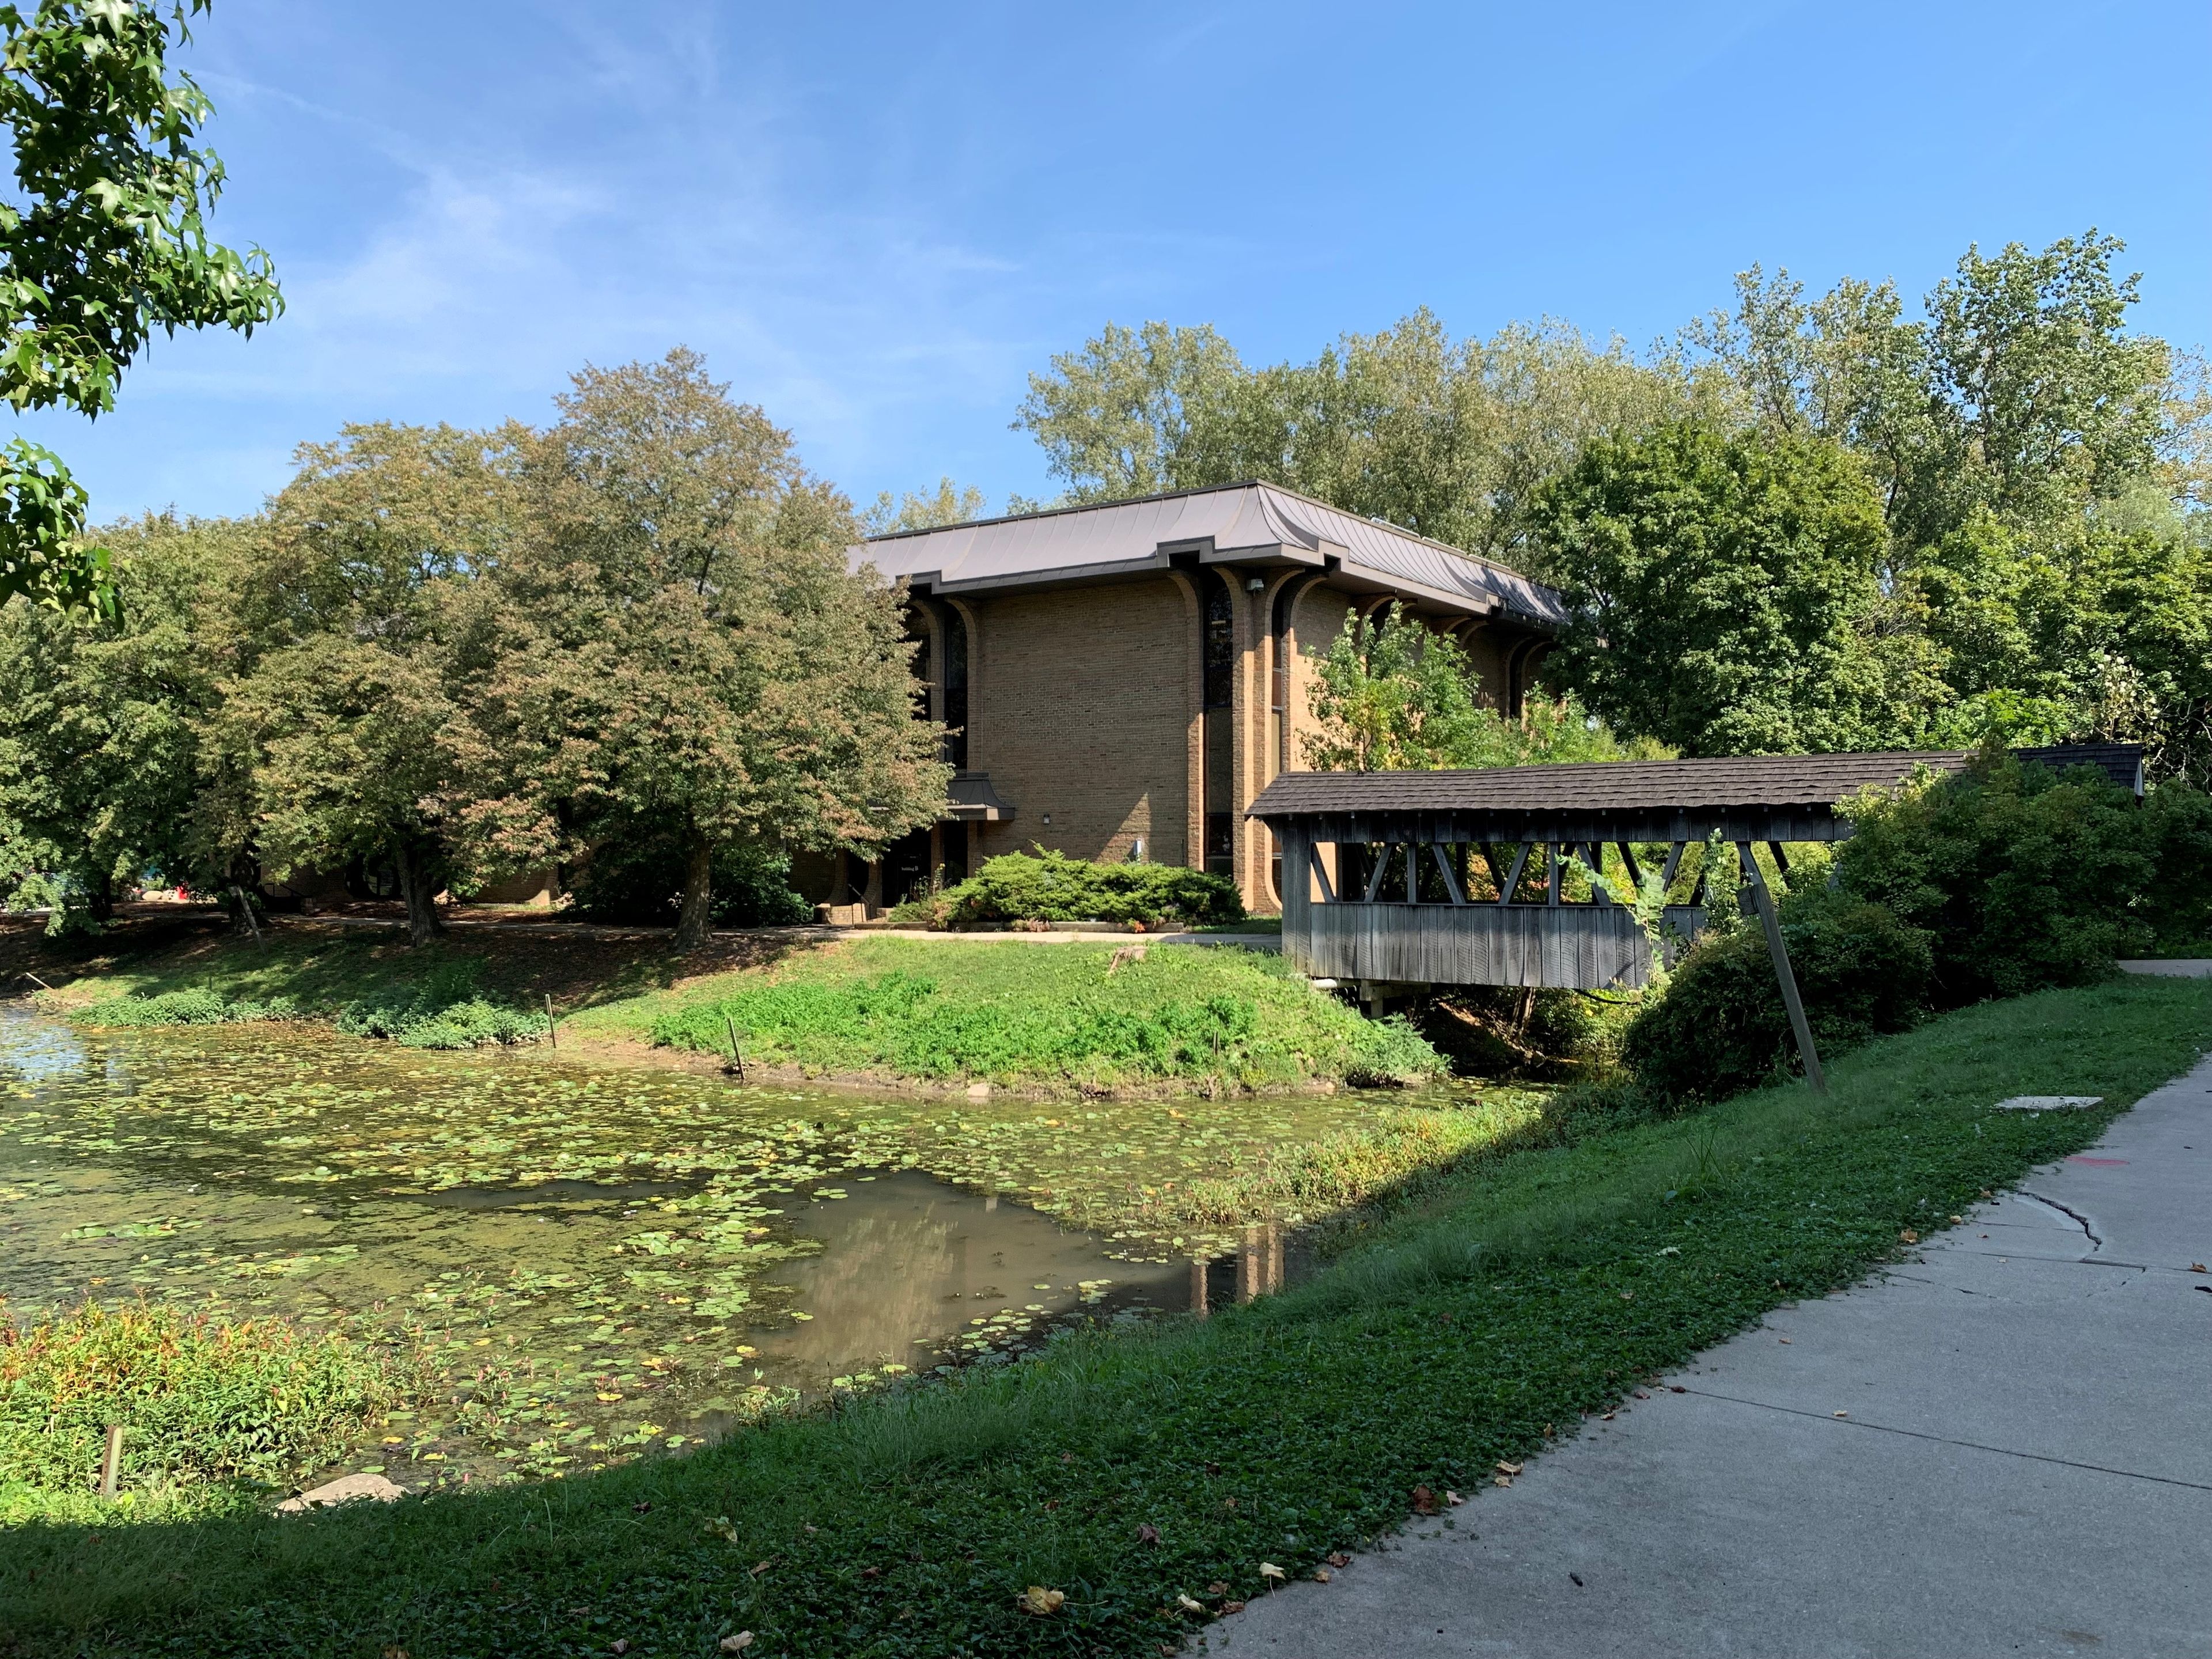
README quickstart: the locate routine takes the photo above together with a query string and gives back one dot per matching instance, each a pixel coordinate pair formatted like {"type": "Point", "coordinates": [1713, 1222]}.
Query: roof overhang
{"type": "Point", "coordinates": [971, 799]}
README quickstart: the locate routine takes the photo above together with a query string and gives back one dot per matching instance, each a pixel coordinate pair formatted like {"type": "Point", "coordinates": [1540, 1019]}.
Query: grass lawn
{"type": "Point", "coordinates": [1477, 1323]}
{"type": "Point", "coordinates": [1062, 1018]}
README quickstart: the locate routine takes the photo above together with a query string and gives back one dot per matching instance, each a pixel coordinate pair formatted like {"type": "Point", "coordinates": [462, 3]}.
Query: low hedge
{"type": "Point", "coordinates": [1046, 886]}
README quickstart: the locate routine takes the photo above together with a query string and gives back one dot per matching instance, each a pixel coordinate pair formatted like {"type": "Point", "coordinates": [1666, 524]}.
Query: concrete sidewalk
{"type": "Point", "coordinates": [2004, 1448]}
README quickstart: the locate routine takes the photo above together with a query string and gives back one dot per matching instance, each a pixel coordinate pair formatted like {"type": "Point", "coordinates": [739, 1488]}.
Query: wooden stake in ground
{"type": "Point", "coordinates": [552, 1031]}
{"type": "Point", "coordinates": [735, 1058]}
{"type": "Point", "coordinates": [111, 1462]}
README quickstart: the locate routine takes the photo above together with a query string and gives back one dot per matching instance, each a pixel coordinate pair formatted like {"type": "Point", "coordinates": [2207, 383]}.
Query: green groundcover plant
{"type": "Point", "coordinates": [195, 1007]}
{"type": "Point", "coordinates": [1150, 1020]}
{"type": "Point", "coordinates": [202, 1401]}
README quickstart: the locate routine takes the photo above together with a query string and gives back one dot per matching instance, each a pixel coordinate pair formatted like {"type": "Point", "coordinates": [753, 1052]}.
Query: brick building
{"type": "Point", "coordinates": [1124, 679]}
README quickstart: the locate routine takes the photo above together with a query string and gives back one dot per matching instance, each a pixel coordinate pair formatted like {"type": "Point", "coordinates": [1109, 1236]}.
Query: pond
{"type": "Point", "coordinates": [602, 1259]}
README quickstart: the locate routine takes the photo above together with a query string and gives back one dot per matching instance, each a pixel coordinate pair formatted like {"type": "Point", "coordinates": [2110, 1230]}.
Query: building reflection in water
{"type": "Point", "coordinates": [1254, 1269]}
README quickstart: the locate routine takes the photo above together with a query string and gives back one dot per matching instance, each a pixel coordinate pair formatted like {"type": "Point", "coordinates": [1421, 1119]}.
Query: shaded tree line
{"type": "Point", "coordinates": [469, 653]}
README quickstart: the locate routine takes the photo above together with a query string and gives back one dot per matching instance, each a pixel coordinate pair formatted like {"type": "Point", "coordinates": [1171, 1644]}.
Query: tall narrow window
{"type": "Point", "coordinates": [956, 688]}
{"type": "Point", "coordinates": [1220, 643]}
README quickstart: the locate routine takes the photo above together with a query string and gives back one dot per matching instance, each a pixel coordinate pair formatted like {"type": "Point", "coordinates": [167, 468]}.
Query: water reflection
{"type": "Point", "coordinates": [1259, 1267]}
{"type": "Point", "coordinates": [913, 1270]}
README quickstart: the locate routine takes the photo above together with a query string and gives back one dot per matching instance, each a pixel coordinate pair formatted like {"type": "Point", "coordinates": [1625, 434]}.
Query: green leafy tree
{"type": "Point", "coordinates": [1447, 438]}
{"type": "Point", "coordinates": [1726, 595]}
{"type": "Point", "coordinates": [2018, 392]}
{"type": "Point", "coordinates": [104, 241]}
{"type": "Point", "coordinates": [688, 655]}
{"type": "Point", "coordinates": [101, 761]}
{"type": "Point", "coordinates": [2088, 629]}
{"type": "Point", "coordinates": [1391, 695]}
{"type": "Point", "coordinates": [948, 504]}
{"type": "Point", "coordinates": [368, 625]}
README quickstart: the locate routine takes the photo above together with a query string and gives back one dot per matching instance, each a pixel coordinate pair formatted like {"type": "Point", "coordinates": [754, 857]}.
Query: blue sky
{"type": "Point", "coordinates": [875, 220]}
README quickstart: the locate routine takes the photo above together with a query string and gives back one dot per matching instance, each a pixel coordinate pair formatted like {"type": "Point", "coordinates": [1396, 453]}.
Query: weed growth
{"type": "Point", "coordinates": [201, 1401]}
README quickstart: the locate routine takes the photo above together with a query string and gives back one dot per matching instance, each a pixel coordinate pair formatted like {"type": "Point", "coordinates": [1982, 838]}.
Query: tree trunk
{"type": "Point", "coordinates": [242, 880]}
{"type": "Point", "coordinates": [698, 889]}
{"type": "Point", "coordinates": [418, 885]}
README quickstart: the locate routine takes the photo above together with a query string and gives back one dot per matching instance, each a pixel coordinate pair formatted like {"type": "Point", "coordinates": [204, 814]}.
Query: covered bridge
{"type": "Point", "coordinates": [1462, 878]}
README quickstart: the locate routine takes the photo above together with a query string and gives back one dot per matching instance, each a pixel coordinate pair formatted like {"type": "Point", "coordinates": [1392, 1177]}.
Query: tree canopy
{"type": "Point", "coordinates": [1802, 522]}
{"type": "Point", "coordinates": [104, 241]}
{"type": "Point", "coordinates": [462, 654]}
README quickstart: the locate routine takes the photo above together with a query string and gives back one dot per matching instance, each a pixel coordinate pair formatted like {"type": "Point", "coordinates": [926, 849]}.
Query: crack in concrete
{"type": "Point", "coordinates": [1833, 1421]}
{"type": "Point", "coordinates": [2075, 1216]}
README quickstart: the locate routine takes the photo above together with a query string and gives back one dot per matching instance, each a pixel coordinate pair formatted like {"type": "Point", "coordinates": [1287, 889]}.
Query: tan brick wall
{"type": "Point", "coordinates": [1082, 707]}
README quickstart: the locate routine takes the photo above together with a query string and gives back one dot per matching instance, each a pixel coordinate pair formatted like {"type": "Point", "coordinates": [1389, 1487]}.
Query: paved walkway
{"type": "Point", "coordinates": [2025, 1467]}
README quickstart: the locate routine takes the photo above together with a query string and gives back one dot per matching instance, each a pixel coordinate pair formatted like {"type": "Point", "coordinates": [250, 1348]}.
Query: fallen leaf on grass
{"type": "Point", "coordinates": [1269, 1570]}
{"type": "Point", "coordinates": [1189, 1604]}
{"type": "Point", "coordinates": [871, 1572]}
{"type": "Point", "coordinates": [761, 1567]}
{"type": "Point", "coordinates": [1424, 1501]}
{"type": "Point", "coordinates": [1148, 1534]}
{"type": "Point", "coordinates": [1040, 1600]}
{"type": "Point", "coordinates": [620, 1644]}
{"type": "Point", "coordinates": [1217, 1587]}
{"type": "Point", "coordinates": [1909, 1236]}
{"type": "Point", "coordinates": [737, 1644]}
{"type": "Point", "coordinates": [1232, 1607]}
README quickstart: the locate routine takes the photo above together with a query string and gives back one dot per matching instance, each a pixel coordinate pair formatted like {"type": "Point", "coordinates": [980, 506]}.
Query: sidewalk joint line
{"type": "Point", "coordinates": [1945, 1440]}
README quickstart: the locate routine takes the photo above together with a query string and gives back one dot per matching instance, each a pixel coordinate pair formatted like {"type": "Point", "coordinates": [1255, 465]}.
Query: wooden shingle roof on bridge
{"type": "Point", "coordinates": [1761, 797]}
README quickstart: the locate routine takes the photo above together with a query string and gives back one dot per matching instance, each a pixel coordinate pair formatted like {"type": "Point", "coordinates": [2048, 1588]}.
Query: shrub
{"type": "Point", "coordinates": [198, 1006]}
{"type": "Point", "coordinates": [443, 1010]}
{"type": "Point", "coordinates": [2021, 877]}
{"type": "Point", "coordinates": [1053, 887]}
{"type": "Point", "coordinates": [1720, 1027]}
{"type": "Point", "coordinates": [2178, 826]}
{"type": "Point", "coordinates": [428, 1021]}
{"type": "Point", "coordinates": [640, 882]}
{"type": "Point", "coordinates": [199, 1399]}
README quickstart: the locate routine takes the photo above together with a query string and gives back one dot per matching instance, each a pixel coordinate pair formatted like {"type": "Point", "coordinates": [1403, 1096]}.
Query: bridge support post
{"type": "Point", "coordinates": [1771, 921]}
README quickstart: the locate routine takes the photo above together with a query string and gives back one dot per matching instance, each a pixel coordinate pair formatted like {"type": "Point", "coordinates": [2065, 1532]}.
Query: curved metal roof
{"type": "Point", "coordinates": [1224, 523]}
